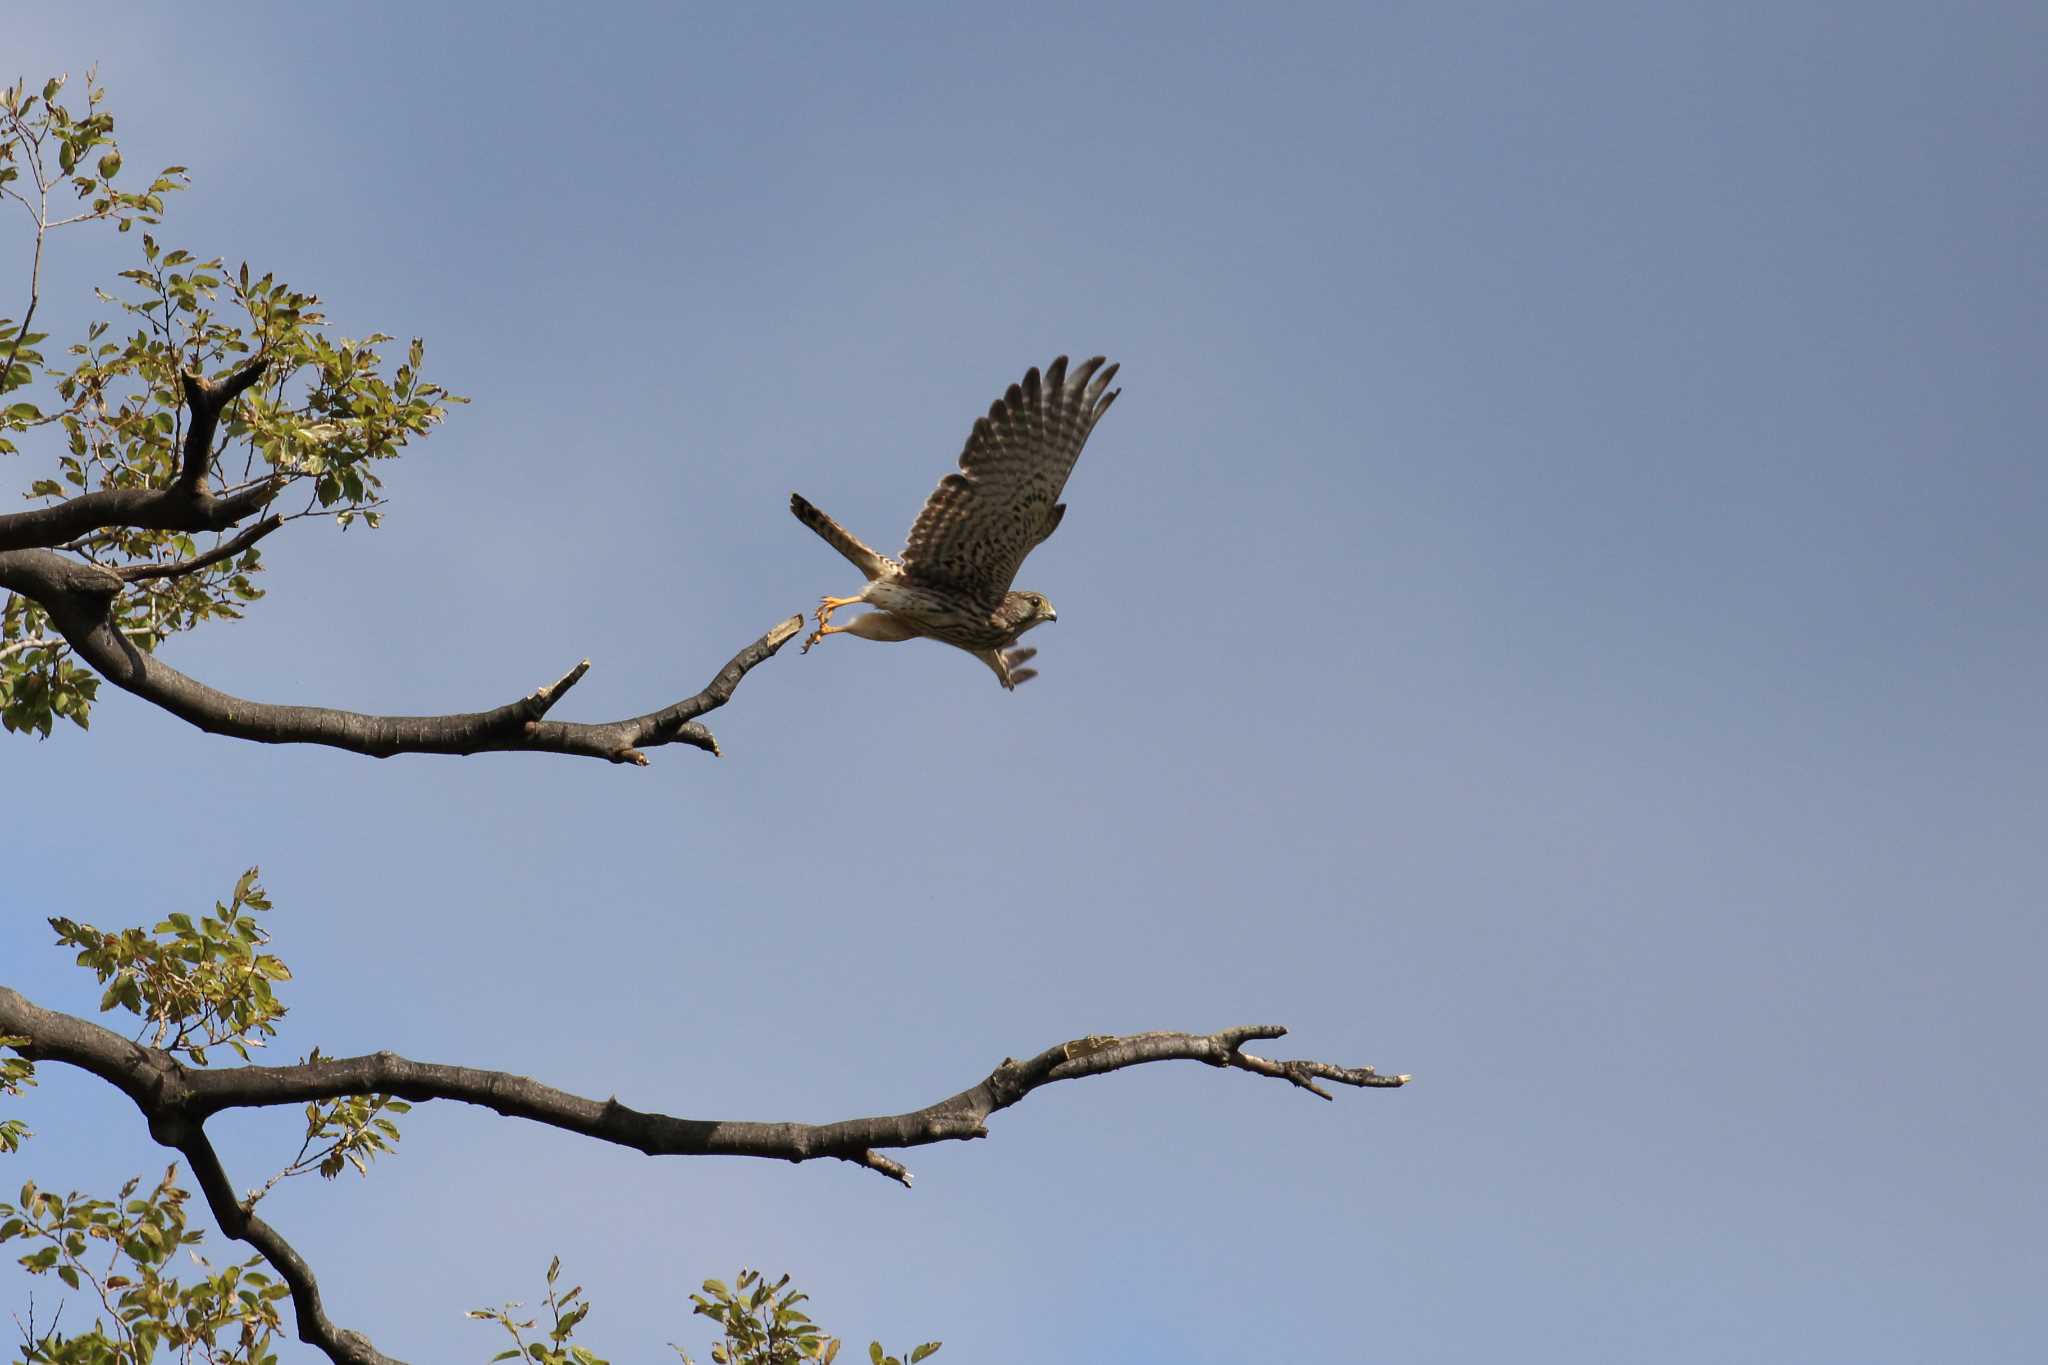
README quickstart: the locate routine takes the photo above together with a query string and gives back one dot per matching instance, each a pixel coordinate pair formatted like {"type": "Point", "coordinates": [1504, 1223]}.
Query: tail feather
{"type": "Point", "coordinates": [869, 561]}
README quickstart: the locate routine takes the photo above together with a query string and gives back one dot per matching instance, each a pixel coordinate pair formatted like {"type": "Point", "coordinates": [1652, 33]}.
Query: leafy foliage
{"type": "Point", "coordinates": [354, 1131]}
{"type": "Point", "coordinates": [16, 1075]}
{"type": "Point", "coordinates": [760, 1323]}
{"type": "Point", "coordinates": [119, 1251]}
{"type": "Point", "coordinates": [207, 983]}
{"type": "Point", "coordinates": [566, 1308]}
{"type": "Point", "coordinates": [196, 984]}
{"type": "Point", "coordinates": [326, 413]}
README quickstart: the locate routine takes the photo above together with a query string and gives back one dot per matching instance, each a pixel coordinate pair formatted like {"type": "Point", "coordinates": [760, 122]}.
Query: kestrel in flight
{"type": "Point", "coordinates": [953, 582]}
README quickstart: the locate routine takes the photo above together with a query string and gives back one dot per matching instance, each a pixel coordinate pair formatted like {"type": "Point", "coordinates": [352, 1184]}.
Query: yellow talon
{"type": "Point", "coordinates": [826, 606]}
{"type": "Point", "coordinates": [820, 633]}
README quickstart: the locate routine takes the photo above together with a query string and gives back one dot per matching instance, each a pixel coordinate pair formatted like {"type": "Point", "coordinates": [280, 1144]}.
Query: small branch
{"type": "Point", "coordinates": [35, 269]}
{"type": "Point", "coordinates": [80, 598]}
{"type": "Point", "coordinates": [316, 1329]}
{"type": "Point", "coordinates": [227, 549]}
{"type": "Point", "coordinates": [31, 642]}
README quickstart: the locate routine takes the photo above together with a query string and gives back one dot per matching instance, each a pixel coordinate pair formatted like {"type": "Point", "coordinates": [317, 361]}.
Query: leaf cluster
{"type": "Point", "coordinates": [196, 984]}
{"type": "Point", "coordinates": [327, 412]}
{"type": "Point", "coordinates": [16, 1075]}
{"type": "Point", "coordinates": [354, 1131]}
{"type": "Point", "coordinates": [37, 129]}
{"type": "Point", "coordinates": [39, 682]}
{"type": "Point", "coordinates": [566, 1308]}
{"type": "Point", "coordinates": [762, 1324]}
{"type": "Point", "coordinates": [206, 983]}
{"type": "Point", "coordinates": [119, 1252]}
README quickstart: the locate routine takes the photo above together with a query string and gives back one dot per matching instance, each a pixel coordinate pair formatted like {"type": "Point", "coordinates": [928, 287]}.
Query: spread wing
{"type": "Point", "coordinates": [978, 525]}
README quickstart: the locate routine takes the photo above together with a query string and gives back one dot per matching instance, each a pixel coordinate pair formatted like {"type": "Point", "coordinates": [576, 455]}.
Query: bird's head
{"type": "Point", "coordinates": [1023, 610]}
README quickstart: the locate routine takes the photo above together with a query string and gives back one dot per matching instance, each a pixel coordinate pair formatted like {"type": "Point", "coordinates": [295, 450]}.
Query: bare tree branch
{"type": "Point", "coordinates": [177, 1100]}
{"type": "Point", "coordinates": [79, 598]}
{"type": "Point", "coordinates": [161, 1085]}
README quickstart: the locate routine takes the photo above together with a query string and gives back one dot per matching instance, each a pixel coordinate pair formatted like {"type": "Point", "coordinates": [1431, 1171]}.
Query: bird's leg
{"type": "Point", "coordinates": [821, 632]}
{"type": "Point", "coordinates": [995, 660]}
{"type": "Point", "coordinates": [826, 606]}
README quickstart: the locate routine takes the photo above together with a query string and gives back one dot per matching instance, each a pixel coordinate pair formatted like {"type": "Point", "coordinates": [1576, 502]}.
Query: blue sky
{"type": "Point", "coordinates": [1556, 610]}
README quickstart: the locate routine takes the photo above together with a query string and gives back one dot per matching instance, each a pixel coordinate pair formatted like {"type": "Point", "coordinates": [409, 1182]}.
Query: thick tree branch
{"type": "Point", "coordinates": [176, 508]}
{"type": "Point", "coordinates": [176, 1100]}
{"type": "Point", "coordinates": [955, 1118]}
{"type": "Point", "coordinates": [185, 505]}
{"type": "Point", "coordinates": [159, 1084]}
{"type": "Point", "coordinates": [205, 400]}
{"type": "Point", "coordinates": [80, 597]}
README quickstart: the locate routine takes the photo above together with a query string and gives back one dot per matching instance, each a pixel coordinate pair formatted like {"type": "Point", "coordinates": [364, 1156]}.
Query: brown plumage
{"type": "Point", "coordinates": [953, 582]}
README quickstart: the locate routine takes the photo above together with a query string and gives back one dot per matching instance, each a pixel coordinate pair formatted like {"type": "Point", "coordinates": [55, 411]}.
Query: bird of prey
{"type": "Point", "coordinates": [953, 582]}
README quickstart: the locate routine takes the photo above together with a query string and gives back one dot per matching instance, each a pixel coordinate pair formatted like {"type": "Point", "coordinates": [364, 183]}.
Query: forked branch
{"type": "Point", "coordinates": [205, 400]}
{"type": "Point", "coordinates": [177, 1100]}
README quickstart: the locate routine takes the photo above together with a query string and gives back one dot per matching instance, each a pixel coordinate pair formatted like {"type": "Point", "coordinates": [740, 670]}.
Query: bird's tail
{"type": "Point", "coordinates": [867, 560]}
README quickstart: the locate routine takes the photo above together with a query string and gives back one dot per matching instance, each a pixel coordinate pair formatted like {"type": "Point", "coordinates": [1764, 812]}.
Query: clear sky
{"type": "Point", "coordinates": [1557, 610]}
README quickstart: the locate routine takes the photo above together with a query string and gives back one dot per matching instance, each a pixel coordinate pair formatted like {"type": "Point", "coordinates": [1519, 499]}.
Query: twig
{"type": "Point", "coordinates": [227, 549]}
